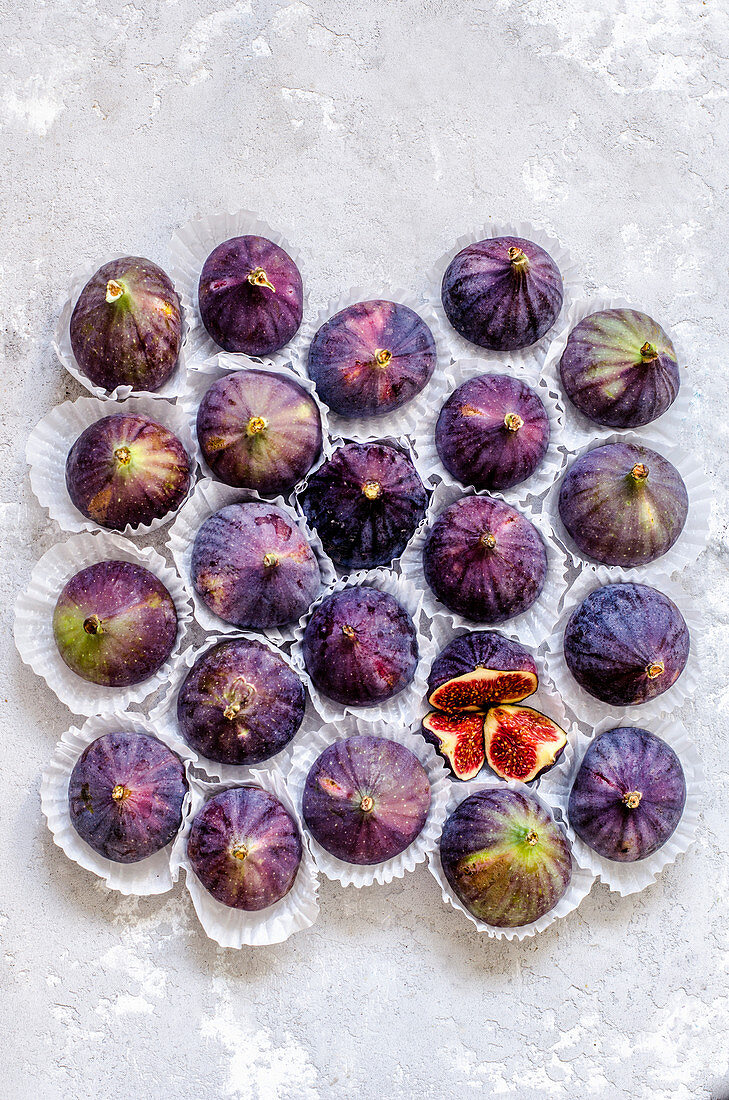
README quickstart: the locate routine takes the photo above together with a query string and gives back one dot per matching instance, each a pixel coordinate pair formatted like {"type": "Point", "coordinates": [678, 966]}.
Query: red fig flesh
{"type": "Point", "coordinates": [521, 742]}
{"type": "Point", "coordinates": [459, 740]}
{"type": "Point", "coordinates": [483, 688]}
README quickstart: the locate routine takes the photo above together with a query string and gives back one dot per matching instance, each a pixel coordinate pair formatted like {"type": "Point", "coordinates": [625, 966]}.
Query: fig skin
{"type": "Point", "coordinates": [245, 848]}
{"type": "Point", "coordinates": [259, 430]}
{"type": "Point", "coordinates": [484, 560]}
{"type": "Point", "coordinates": [521, 742]}
{"type": "Point", "coordinates": [505, 858]}
{"type": "Point", "coordinates": [125, 796]}
{"type": "Point", "coordinates": [628, 796]}
{"type": "Point", "coordinates": [251, 296]}
{"type": "Point", "coordinates": [240, 703]}
{"type": "Point", "coordinates": [126, 327]}
{"type": "Point", "coordinates": [371, 358]}
{"type": "Point", "coordinates": [623, 504]}
{"type": "Point", "coordinates": [127, 469]}
{"type": "Point", "coordinates": [360, 646]}
{"type": "Point", "coordinates": [481, 650]}
{"type": "Point", "coordinates": [366, 799]}
{"type": "Point", "coordinates": [626, 644]}
{"type": "Point", "coordinates": [492, 432]}
{"type": "Point", "coordinates": [458, 739]}
{"type": "Point", "coordinates": [365, 502]}
{"type": "Point", "coordinates": [503, 293]}
{"type": "Point", "coordinates": [114, 624]}
{"type": "Point", "coordinates": [619, 368]}
{"type": "Point", "coordinates": [252, 566]}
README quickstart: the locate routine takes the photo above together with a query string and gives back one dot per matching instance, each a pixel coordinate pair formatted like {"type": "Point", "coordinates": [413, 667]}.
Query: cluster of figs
{"type": "Point", "coordinates": [504, 853]}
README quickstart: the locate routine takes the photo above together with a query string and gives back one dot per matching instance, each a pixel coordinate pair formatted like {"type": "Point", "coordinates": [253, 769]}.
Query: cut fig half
{"type": "Point", "coordinates": [482, 688]}
{"type": "Point", "coordinates": [521, 742]}
{"type": "Point", "coordinates": [459, 740]}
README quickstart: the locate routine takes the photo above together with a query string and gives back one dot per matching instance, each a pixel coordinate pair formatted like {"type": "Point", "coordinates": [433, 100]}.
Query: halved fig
{"type": "Point", "coordinates": [483, 688]}
{"type": "Point", "coordinates": [459, 740]}
{"type": "Point", "coordinates": [521, 742]}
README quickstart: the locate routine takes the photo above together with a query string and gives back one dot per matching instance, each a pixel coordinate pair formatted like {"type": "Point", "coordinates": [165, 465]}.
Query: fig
{"type": "Point", "coordinates": [240, 703]}
{"type": "Point", "coordinates": [127, 469]}
{"type": "Point", "coordinates": [245, 848]}
{"type": "Point", "coordinates": [252, 566]}
{"type": "Point", "coordinates": [114, 623]}
{"type": "Point", "coordinates": [628, 796]}
{"type": "Point", "coordinates": [478, 670]}
{"type": "Point", "coordinates": [505, 858]}
{"type": "Point", "coordinates": [521, 742]}
{"type": "Point", "coordinates": [371, 358]}
{"type": "Point", "coordinates": [365, 502]}
{"type": "Point", "coordinates": [366, 799]}
{"type": "Point", "coordinates": [251, 296]}
{"type": "Point", "coordinates": [623, 504]}
{"type": "Point", "coordinates": [360, 646]}
{"type": "Point", "coordinates": [459, 740]}
{"type": "Point", "coordinates": [125, 796]}
{"type": "Point", "coordinates": [619, 368]}
{"type": "Point", "coordinates": [126, 327]}
{"type": "Point", "coordinates": [484, 560]}
{"type": "Point", "coordinates": [492, 432]}
{"type": "Point", "coordinates": [626, 643]}
{"type": "Point", "coordinates": [503, 293]}
{"type": "Point", "coordinates": [259, 430]}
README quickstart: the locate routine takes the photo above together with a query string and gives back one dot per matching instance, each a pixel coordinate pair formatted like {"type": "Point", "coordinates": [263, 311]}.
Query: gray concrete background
{"type": "Point", "coordinates": [379, 131]}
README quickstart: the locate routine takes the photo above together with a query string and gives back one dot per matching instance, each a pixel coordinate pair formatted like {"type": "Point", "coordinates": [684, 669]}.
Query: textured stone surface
{"type": "Point", "coordinates": [379, 131]}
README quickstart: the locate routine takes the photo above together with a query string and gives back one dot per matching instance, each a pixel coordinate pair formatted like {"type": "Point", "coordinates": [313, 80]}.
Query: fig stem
{"type": "Point", "coordinates": [382, 357]}
{"type": "Point", "coordinates": [256, 424]}
{"type": "Point", "coordinates": [655, 670]}
{"type": "Point", "coordinates": [231, 710]}
{"type": "Point", "coordinates": [367, 803]}
{"type": "Point", "coordinates": [119, 792]}
{"type": "Point", "coordinates": [258, 277]}
{"type": "Point", "coordinates": [349, 632]}
{"type": "Point", "coordinates": [639, 472]}
{"type": "Point", "coordinates": [648, 353]}
{"type": "Point", "coordinates": [532, 838]}
{"type": "Point", "coordinates": [240, 851]}
{"type": "Point", "coordinates": [114, 291]}
{"type": "Point", "coordinates": [518, 258]}
{"type": "Point", "coordinates": [513, 422]}
{"type": "Point", "coordinates": [92, 625]}
{"type": "Point", "coordinates": [372, 489]}
{"type": "Point", "coordinates": [270, 559]}
{"type": "Point", "coordinates": [487, 540]}
{"type": "Point", "coordinates": [632, 799]}
{"type": "Point", "coordinates": [123, 456]}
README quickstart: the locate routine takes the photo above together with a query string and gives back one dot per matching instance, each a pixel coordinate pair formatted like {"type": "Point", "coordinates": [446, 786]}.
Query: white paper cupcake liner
{"type": "Point", "coordinates": [692, 540]}
{"type": "Point", "coordinates": [209, 497]}
{"type": "Point", "coordinates": [152, 875]}
{"type": "Point", "coordinates": [190, 247]}
{"type": "Point", "coordinates": [629, 878]}
{"type": "Point", "coordinates": [62, 340]}
{"type": "Point", "coordinates": [402, 708]}
{"type": "Point", "coordinates": [34, 609]}
{"type": "Point", "coordinates": [237, 928]}
{"type": "Point", "coordinates": [201, 378]}
{"type": "Point", "coordinates": [545, 699]}
{"type": "Point", "coordinates": [524, 359]}
{"type": "Point", "coordinates": [353, 874]}
{"type": "Point", "coordinates": [164, 715]}
{"type": "Point", "coordinates": [402, 421]}
{"type": "Point", "coordinates": [50, 441]}
{"type": "Point", "coordinates": [551, 465]}
{"type": "Point", "coordinates": [578, 889]}
{"type": "Point", "coordinates": [532, 626]}
{"type": "Point", "coordinates": [591, 710]}
{"type": "Point", "coordinates": [580, 430]}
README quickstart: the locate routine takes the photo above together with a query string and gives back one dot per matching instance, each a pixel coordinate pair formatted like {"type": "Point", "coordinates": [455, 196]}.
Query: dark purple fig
{"type": "Point", "coordinates": [521, 742]}
{"type": "Point", "coordinates": [619, 368]}
{"type": "Point", "coordinates": [484, 560]}
{"type": "Point", "coordinates": [126, 327]}
{"type": "Point", "coordinates": [245, 848]}
{"type": "Point", "coordinates": [125, 796]}
{"type": "Point", "coordinates": [259, 430]}
{"type": "Point", "coordinates": [251, 296]}
{"type": "Point", "coordinates": [360, 646]}
{"type": "Point", "coordinates": [458, 738]}
{"type": "Point", "coordinates": [115, 623]}
{"type": "Point", "coordinates": [481, 669]}
{"type": "Point", "coordinates": [492, 432]}
{"type": "Point", "coordinates": [127, 469]}
{"type": "Point", "coordinates": [505, 858]}
{"type": "Point", "coordinates": [628, 796]}
{"type": "Point", "coordinates": [366, 799]}
{"type": "Point", "coordinates": [371, 358]}
{"type": "Point", "coordinates": [365, 503]}
{"type": "Point", "coordinates": [626, 644]}
{"type": "Point", "coordinates": [623, 504]}
{"type": "Point", "coordinates": [502, 293]}
{"type": "Point", "coordinates": [252, 566]}
{"type": "Point", "coordinates": [240, 703]}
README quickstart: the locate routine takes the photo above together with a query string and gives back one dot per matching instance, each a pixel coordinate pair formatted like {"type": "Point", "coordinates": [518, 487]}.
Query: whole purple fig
{"type": "Point", "coordinates": [251, 296]}
{"type": "Point", "coordinates": [366, 799]}
{"type": "Point", "coordinates": [125, 796]}
{"type": "Point", "coordinates": [126, 327]}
